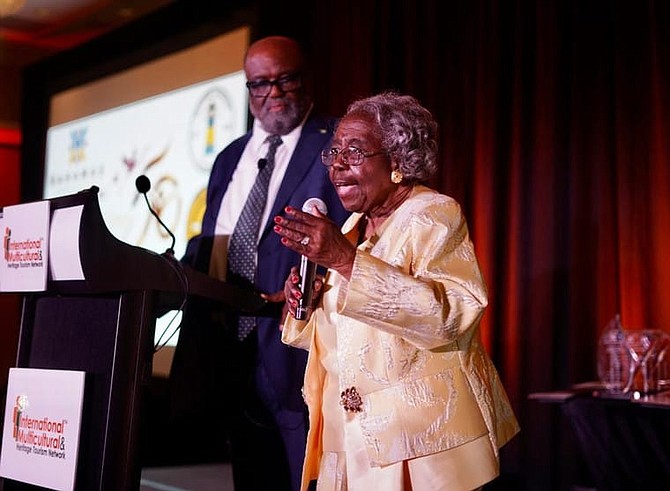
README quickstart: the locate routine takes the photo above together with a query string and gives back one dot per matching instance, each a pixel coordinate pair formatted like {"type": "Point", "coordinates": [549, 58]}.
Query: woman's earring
{"type": "Point", "coordinates": [396, 176]}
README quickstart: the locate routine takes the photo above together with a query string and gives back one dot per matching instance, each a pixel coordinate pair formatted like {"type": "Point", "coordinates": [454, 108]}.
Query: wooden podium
{"type": "Point", "coordinates": [103, 324]}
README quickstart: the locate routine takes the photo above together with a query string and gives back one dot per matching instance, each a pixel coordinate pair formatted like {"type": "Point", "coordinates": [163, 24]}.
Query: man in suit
{"type": "Point", "coordinates": [255, 378]}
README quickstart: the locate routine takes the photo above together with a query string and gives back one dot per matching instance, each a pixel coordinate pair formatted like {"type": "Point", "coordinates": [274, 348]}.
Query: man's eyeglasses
{"type": "Point", "coordinates": [350, 156]}
{"type": "Point", "coordinates": [262, 88]}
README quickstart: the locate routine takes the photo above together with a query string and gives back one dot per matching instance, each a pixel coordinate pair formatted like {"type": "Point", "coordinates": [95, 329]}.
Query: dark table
{"type": "Point", "coordinates": [625, 441]}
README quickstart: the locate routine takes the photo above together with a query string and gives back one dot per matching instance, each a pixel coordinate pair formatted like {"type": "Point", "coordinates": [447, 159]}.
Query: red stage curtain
{"type": "Point", "coordinates": [555, 129]}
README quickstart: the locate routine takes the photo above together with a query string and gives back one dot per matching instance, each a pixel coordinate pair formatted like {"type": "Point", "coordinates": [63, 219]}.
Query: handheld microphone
{"type": "Point", "coordinates": [307, 267]}
{"type": "Point", "coordinates": [143, 185]}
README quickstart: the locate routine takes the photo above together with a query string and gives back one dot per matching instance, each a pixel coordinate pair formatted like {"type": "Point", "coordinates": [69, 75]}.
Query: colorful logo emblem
{"type": "Point", "coordinates": [78, 145]}
{"type": "Point", "coordinates": [19, 407]}
{"type": "Point", "coordinates": [5, 242]}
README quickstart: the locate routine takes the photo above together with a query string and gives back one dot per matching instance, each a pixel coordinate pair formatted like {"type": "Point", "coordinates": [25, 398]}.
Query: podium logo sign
{"type": "Point", "coordinates": [41, 429]}
{"type": "Point", "coordinates": [42, 436]}
{"type": "Point", "coordinates": [22, 254]}
{"type": "Point", "coordinates": [23, 264]}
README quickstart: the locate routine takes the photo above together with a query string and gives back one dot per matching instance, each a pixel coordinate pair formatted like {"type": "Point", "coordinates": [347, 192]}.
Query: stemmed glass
{"type": "Point", "coordinates": [647, 349]}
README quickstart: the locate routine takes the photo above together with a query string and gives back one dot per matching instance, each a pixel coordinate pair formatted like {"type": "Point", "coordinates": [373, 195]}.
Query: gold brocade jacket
{"type": "Point", "coordinates": [407, 325]}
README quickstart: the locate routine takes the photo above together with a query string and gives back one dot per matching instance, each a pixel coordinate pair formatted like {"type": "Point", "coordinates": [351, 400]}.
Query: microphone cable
{"type": "Point", "coordinates": [178, 269]}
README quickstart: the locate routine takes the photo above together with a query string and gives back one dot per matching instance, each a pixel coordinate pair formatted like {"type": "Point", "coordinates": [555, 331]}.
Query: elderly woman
{"type": "Point", "coordinates": [401, 393]}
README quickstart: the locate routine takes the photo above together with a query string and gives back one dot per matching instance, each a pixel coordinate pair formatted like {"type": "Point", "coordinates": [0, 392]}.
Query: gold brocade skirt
{"type": "Point", "coordinates": [457, 469]}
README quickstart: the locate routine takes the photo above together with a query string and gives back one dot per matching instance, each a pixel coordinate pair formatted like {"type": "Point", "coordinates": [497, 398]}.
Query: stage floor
{"type": "Point", "coordinates": [205, 477]}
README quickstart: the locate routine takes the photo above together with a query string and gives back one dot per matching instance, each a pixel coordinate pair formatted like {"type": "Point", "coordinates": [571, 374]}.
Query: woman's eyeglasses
{"type": "Point", "coordinates": [350, 156]}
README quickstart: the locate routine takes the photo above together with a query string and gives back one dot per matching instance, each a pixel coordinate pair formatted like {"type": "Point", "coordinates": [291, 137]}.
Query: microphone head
{"type": "Point", "coordinates": [143, 184]}
{"type": "Point", "coordinates": [312, 203]}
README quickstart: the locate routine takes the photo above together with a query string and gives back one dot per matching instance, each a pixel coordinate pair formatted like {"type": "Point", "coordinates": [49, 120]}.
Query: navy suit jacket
{"type": "Point", "coordinates": [305, 177]}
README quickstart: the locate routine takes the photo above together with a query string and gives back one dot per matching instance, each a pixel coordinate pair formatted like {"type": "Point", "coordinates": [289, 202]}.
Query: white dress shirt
{"type": "Point", "coordinates": [244, 177]}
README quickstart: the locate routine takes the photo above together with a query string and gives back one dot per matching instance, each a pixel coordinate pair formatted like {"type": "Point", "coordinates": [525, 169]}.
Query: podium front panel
{"type": "Point", "coordinates": [110, 337]}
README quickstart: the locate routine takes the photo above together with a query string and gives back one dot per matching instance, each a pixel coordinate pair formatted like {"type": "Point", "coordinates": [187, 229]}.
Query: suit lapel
{"type": "Point", "coordinates": [235, 156]}
{"type": "Point", "coordinates": [313, 137]}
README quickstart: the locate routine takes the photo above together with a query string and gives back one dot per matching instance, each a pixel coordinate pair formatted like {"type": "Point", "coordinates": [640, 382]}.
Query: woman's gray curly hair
{"type": "Point", "coordinates": [409, 132]}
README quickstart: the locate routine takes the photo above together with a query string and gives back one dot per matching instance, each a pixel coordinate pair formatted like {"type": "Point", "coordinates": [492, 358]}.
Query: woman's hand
{"type": "Point", "coordinates": [293, 294]}
{"type": "Point", "coordinates": [316, 237]}
{"type": "Point", "coordinates": [291, 290]}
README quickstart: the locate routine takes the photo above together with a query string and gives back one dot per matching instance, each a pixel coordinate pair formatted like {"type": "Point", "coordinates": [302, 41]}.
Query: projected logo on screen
{"type": "Point", "coordinates": [78, 145]}
{"type": "Point", "coordinates": [172, 138]}
{"type": "Point", "coordinates": [75, 167]}
{"type": "Point", "coordinates": [211, 127]}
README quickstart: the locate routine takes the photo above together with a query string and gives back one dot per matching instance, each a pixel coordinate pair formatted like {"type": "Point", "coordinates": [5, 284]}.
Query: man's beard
{"type": "Point", "coordinates": [283, 123]}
